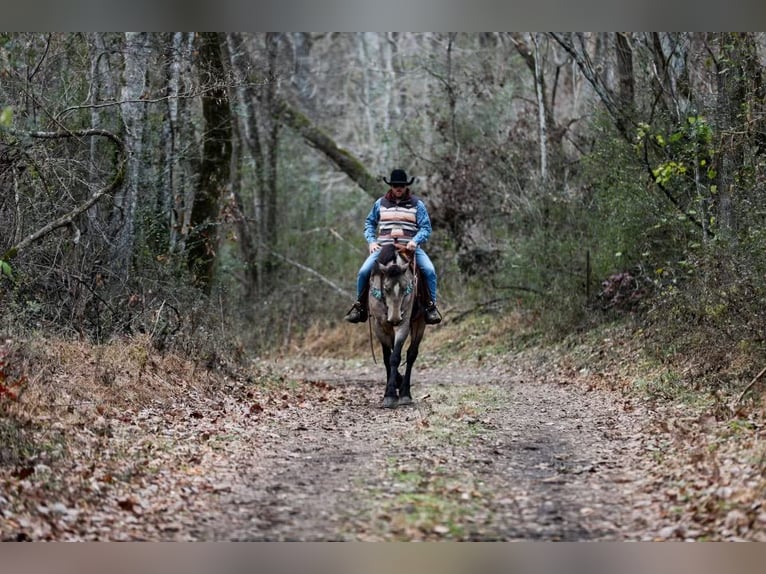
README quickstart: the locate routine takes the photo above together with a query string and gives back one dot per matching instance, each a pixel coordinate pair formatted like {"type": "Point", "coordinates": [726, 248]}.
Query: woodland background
{"type": "Point", "coordinates": [209, 189]}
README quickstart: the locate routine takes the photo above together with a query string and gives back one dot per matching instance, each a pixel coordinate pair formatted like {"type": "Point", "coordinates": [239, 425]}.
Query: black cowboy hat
{"type": "Point", "coordinates": [399, 177]}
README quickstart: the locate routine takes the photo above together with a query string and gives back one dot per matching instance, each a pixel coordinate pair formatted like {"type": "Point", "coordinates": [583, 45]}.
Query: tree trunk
{"type": "Point", "coordinates": [737, 51]}
{"type": "Point", "coordinates": [542, 123]}
{"type": "Point", "coordinates": [366, 43]}
{"type": "Point", "coordinates": [452, 94]}
{"type": "Point", "coordinates": [551, 133]}
{"type": "Point", "coordinates": [271, 232]}
{"type": "Point", "coordinates": [301, 78]}
{"type": "Point", "coordinates": [133, 110]}
{"type": "Point", "coordinates": [399, 101]}
{"type": "Point", "coordinates": [244, 125]}
{"type": "Point", "coordinates": [625, 78]}
{"type": "Point", "coordinates": [181, 165]}
{"type": "Point", "coordinates": [215, 166]}
{"type": "Point", "coordinates": [102, 88]}
{"type": "Point", "coordinates": [169, 185]}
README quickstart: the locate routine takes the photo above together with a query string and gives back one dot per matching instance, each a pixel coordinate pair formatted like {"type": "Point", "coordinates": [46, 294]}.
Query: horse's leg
{"type": "Point", "coordinates": [387, 360]}
{"type": "Point", "coordinates": [416, 335]}
{"type": "Point", "coordinates": [390, 398]}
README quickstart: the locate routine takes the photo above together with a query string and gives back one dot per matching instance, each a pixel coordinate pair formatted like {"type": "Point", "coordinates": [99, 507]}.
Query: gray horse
{"type": "Point", "coordinates": [396, 311]}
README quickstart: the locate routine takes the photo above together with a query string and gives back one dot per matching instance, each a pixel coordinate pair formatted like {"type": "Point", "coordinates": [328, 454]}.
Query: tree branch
{"type": "Point", "coordinates": [68, 218]}
{"type": "Point", "coordinates": [748, 387]}
{"type": "Point", "coordinates": [324, 143]}
{"type": "Point", "coordinates": [604, 93]}
{"type": "Point", "coordinates": [313, 272]}
{"type": "Point", "coordinates": [667, 193]}
{"type": "Point", "coordinates": [204, 91]}
{"type": "Point", "coordinates": [490, 303]}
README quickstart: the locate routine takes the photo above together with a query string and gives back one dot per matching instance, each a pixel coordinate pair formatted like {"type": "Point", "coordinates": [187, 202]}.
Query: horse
{"type": "Point", "coordinates": [396, 300]}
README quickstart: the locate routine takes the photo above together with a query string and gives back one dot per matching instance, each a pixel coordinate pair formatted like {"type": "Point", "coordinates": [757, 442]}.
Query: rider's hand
{"type": "Point", "coordinates": [412, 246]}
{"type": "Point", "coordinates": [374, 246]}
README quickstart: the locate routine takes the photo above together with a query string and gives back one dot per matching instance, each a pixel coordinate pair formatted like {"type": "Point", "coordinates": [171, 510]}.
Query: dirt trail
{"type": "Point", "coordinates": [483, 455]}
{"type": "Point", "coordinates": [527, 446]}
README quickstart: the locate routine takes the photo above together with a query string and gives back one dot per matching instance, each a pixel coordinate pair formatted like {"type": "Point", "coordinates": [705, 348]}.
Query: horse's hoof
{"type": "Point", "coordinates": [389, 402]}
{"type": "Point", "coordinates": [404, 401]}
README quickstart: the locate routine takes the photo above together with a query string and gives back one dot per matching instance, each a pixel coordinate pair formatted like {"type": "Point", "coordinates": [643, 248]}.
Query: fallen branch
{"type": "Point", "coordinates": [484, 304]}
{"type": "Point", "coordinates": [315, 273]}
{"type": "Point", "coordinates": [479, 307]}
{"type": "Point", "coordinates": [749, 386]}
{"type": "Point", "coordinates": [349, 164]}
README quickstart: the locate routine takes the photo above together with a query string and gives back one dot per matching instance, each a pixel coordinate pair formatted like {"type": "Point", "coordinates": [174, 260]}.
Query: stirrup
{"type": "Point", "coordinates": [357, 313]}
{"type": "Point", "coordinates": [433, 316]}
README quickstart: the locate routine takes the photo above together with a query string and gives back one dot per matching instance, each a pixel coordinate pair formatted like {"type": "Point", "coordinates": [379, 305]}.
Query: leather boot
{"type": "Point", "coordinates": [432, 314]}
{"type": "Point", "coordinates": [357, 314]}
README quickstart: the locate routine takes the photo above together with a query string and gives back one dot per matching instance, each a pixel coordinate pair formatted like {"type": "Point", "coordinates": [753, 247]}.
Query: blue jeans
{"type": "Point", "coordinates": [421, 260]}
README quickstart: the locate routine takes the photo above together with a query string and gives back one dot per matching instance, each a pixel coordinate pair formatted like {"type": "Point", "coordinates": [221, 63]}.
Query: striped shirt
{"type": "Point", "coordinates": [408, 215]}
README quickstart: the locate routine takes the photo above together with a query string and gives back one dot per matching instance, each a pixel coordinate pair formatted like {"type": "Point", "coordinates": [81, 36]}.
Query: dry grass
{"type": "Point", "coordinates": [336, 341]}
{"type": "Point", "coordinates": [345, 341]}
{"type": "Point", "coordinates": [70, 378]}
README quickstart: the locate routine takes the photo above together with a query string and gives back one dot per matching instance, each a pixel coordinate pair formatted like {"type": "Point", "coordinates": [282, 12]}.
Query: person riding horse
{"type": "Point", "coordinates": [401, 217]}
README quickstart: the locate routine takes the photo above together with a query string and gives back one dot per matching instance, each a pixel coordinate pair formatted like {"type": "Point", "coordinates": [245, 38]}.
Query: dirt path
{"type": "Point", "coordinates": [513, 448]}
{"type": "Point", "coordinates": [484, 455]}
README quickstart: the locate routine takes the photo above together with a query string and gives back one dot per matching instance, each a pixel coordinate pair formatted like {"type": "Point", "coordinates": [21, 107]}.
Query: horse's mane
{"type": "Point", "coordinates": [390, 254]}
{"type": "Point", "coordinates": [387, 254]}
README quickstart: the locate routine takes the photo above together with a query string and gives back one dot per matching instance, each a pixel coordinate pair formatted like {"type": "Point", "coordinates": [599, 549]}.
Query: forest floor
{"type": "Point", "coordinates": [580, 442]}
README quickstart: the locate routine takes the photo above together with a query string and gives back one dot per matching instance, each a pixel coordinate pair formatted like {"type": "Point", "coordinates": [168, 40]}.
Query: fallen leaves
{"type": "Point", "coordinates": [533, 448]}
{"type": "Point", "coordinates": [119, 470]}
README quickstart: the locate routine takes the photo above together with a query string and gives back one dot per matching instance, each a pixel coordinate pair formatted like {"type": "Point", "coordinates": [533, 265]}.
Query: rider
{"type": "Point", "coordinates": [399, 214]}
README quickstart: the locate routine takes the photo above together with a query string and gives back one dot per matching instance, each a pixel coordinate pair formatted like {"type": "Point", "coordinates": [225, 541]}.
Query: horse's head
{"type": "Point", "coordinates": [397, 284]}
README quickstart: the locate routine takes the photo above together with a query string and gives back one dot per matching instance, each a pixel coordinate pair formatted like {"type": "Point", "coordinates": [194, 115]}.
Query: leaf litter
{"type": "Point", "coordinates": [523, 447]}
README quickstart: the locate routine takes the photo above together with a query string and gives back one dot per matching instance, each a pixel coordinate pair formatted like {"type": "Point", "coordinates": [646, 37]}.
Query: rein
{"type": "Point", "coordinates": [372, 346]}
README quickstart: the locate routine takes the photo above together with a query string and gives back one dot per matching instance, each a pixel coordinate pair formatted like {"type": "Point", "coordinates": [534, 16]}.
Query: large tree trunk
{"type": "Point", "coordinates": [102, 89]}
{"type": "Point", "coordinates": [245, 137]}
{"type": "Point", "coordinates": [171, 191]}
{"type": "Point", "coordinates": [179, 165]}
{"type": "Point", "coordinates": [133, 108]}
{"type": "Point", "coordinates": [214, 170]}
{"type": "Point", "coordinates": [626, 87]}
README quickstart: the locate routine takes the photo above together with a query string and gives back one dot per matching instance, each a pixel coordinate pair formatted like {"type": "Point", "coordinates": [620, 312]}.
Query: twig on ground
{"type": "Point", "coordinates": [749, 386]}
